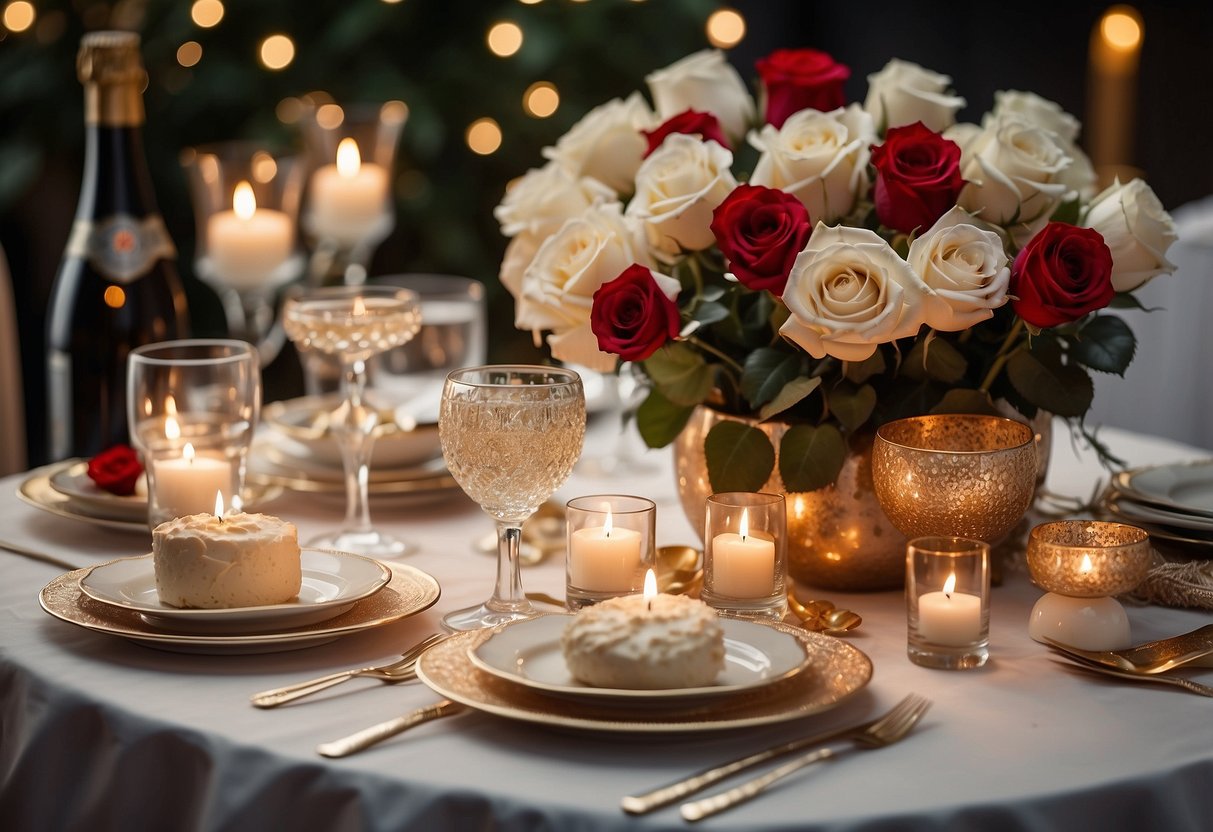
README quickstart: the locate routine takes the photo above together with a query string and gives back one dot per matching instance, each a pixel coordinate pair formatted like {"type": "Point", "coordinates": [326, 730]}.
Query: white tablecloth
{"type": "Point", "coordinates": [99, 733]}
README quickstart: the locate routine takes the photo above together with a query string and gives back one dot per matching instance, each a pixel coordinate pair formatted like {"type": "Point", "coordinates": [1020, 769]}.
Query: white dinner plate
{"type": "Point", "coordinates": [410, 591]}
{"type": "Point", "coordinates": [332, 583]}
{"type": "Point", "coordinates": [405, 436]}
{"type": "Point", "coordinates": [836, 671]}
{"type": "Point", "coordinates": [528, 653]}
{"type": "Point", "coordinates": [1133, 510]}
{"type": "Point", "coordinates": [1182, 487]}
{"type": "Point", "coordinates": [73, 480]}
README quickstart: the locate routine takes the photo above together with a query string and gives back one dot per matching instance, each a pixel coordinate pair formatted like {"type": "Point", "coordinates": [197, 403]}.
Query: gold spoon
{"type": "Point", "coordinates": [823, 616]}
{"type": "Point", "coordinates": [679, 569]}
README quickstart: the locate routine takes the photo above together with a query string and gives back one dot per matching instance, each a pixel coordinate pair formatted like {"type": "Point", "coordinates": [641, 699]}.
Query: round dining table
{"type": "Point", "coordinates": [98, 732]}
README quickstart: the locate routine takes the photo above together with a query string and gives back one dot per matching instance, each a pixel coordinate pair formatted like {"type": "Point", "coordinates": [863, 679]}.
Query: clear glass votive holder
{"type": "Point", "coordinates": [192, 407]}
{"type": "Point", "coordinates": [611, 544]}
{"type": "Point", "coordinates": [745, 560]}
{"type": "Point", "coordinates": [948, 602]}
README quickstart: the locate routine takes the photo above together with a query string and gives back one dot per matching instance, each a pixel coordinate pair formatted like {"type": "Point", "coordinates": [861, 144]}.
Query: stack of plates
{"type": "Point", "coordinates": [65, 490]}
{"type": "Point", "coordinates": [295, 449]}
{"type": "Point", "coordinates": [341, 594]}
{"type": "Point", "coordinates": [1174, 503]}
{"type": "Point", "coordinates": [773, 673]}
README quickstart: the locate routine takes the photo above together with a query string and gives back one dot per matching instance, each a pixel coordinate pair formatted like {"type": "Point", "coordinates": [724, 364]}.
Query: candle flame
{"type": "Point", "coordinates": [949, 586]}
{"type": "Point", "coordinates": [219, 504]}
{"type": "Point", "coordinates": [650, 585]}
{"type": "Point", "coordinates": [170, 405]}
{"type": "Point", "coordinates": [608, 525]}
{"type": "Point", "coordinates": [745, 523]}
{"type": "Point", "coordinates": [171, 429]}
{"type": "Point", "coordinates": [349, 161]}
{"type": "Point", "coordinates": [187, 453]}
{"type": "Point", "coordinates": [359, 306]}
{"type": "Point", "coordinates": [1086, 566]}
{"type": "Point", "coordinates": [244, 202]}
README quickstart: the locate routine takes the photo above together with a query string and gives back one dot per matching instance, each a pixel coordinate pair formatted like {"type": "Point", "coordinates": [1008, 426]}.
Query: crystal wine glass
{"type": "Point", "coordinates": [354, 323]}
{"type": "Point", "coordinates": [510, 436]}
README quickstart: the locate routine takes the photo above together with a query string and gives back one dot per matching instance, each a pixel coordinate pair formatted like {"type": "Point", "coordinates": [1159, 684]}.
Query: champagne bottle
{"type": "Point", "coordinates": [117, 287]}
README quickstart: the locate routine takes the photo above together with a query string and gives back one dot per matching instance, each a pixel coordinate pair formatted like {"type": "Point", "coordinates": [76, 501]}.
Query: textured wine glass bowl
{"type": "Point", "coordinates": [1088, 558]}
{"type": "Point", "coordinates": [962, 475]}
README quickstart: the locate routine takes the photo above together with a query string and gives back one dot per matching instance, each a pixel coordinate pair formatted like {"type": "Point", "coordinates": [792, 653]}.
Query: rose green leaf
{"type": "Point", "coordinates": [966, 400]}
{"type": "Point", "coordinates": [793, 392]}
{"type": "Point", "coordinates": [680, 374]}
{"type": "Point", "coordinates": [660, 421]}
{"type": "Point", "coordinates": [766, 372]}
{"type": "Point", "coordinates": [710, 312]}
{"type": "Point", "coordinates": [811, 457]}
{"type": "Point", "coordinates": [740, 457]}
{"type": "Point", "coordinates": [1038, 376]}
{"type": "Point", "coordinates": [1106, 344]}
{"type": "Point", "coordinates": [861, 371]}
{"type": "Point", "coordinates": [852, 405]}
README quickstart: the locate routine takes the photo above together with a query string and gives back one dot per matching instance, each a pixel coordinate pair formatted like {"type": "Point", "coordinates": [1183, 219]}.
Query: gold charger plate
{"type": "Point", "coordinates": [409, 592]}
{"type": "Point", "coordinates": [37, 491]}
{"type": "Point", "coordinates": [836, 671]}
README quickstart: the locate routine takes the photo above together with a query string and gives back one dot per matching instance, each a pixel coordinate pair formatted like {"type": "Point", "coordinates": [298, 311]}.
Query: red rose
{"type": "Point", "coordinates": [1063, 273]}
{"type": "Point", "coordinates": [634, 314]}
{"type": "Point", "coordinates": [692, 122]}
{"type": "Point", "coordinates": [761, 230]}
{"type": "Point", "coordinates": [116, 470]}
{"type": "Point", "coordinates": [917, 177]}
{"type": "Point", "coordinates": [799, 79]}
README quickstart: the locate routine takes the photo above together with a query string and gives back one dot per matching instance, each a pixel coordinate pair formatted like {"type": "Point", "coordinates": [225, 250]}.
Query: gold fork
{"type": "Point", "coordinates": [894, 726]}
{"type": "Point", "coordinates": [400, 670]}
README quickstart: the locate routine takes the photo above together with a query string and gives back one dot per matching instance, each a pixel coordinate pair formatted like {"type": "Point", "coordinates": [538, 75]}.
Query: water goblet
{"type": "Point", "coordinates": [354, 323]}
{"type": "Point", "coordinates": [510, 436]}
{"type": "Point", "coordinates": [954, 475]}
{"type": "Point", "coordinates": [192, 406]}
{"type": "Point", "coordinates": [246, 205]}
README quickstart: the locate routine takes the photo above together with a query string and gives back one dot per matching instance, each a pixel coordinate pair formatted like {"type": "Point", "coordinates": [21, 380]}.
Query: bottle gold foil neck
{"type": "Point", "coordinates": [111, 69]}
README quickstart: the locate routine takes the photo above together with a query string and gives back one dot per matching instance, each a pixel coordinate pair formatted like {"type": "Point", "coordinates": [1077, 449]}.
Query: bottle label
{"type": "Point", "coordinates": [122, 248]}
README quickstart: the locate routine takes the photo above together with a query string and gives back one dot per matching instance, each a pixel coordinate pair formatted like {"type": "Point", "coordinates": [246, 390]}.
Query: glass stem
{"type": "Point", "coordinates": [508, 594]}
{"type": "Point", "coordinates": [353, 434]}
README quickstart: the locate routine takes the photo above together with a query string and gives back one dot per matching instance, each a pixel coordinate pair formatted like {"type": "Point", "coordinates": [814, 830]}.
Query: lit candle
{"type": "Point", "coordinates": [604, 558]}
{"type": "Point", "coordinates": [188, 484]}
{"type": "Point", "coordinates": [743, 565]}
{"type": "Point", "coordinates": [1115, 52]}
{"type": "Point", "coordinates": [949, 618]}
{"type": "Point", "coordinates": [348, 198]}
{"type": "Point", "coordinates": [247, 244]}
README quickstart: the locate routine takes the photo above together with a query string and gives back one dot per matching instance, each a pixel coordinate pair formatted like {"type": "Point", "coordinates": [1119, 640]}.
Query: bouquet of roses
{"type": "Point", "coordinates": [830, 265]}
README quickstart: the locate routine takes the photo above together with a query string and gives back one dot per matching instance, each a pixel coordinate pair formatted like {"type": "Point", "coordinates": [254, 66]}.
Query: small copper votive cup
{"type": "Point", "coordinates": [954, 475]}
{"type": "Point", "coordinates": [1088, 558]}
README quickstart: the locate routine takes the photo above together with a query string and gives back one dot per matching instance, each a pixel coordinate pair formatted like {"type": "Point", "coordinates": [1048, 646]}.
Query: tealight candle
{"type": "Point", "coordinates": [188, 485]}
{"type": "Point", "coordinates": [745, 559]}
{"type": "Point", "coordinates": [610, 541]}
{"type": "Point", "coordinates": [247, 244]}
{"type": "Point", "coordinates": [348, 198]}
{"type": "Point", "coordinates": [947, 602]}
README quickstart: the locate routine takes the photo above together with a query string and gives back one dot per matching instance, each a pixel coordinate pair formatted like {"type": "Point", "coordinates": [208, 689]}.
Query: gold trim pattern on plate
{"type": "Point", "coordinates": [37, 491]}
{"type": "Point", "coordinates": [836, 671]}
{"type": "Point", "coordinates": [409, 592]}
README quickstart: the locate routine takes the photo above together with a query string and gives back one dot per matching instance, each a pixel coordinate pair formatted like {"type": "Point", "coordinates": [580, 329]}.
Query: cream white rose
{"type": "Point", "coordinates": [1011, 171]}
{"type": "Point", "coordinates": [704, 81]}
{"type": "Point", "coordinates": [541, 200]}
{"type": "Point", "coordinates": [820, 158]}
{"type": "Point", "coordinates": [966, 269]}
{"type": "Point", "coordinates": [903, 93]}
{"type": "Point", "coordinates": [1079, 177]}
{"type": "Point", "coordinates": [1138, 231]}
{"type": "Point", "coordinates": [606, 144]}
{"type": "Point", "coordinates": [557, 287]}
{"type": "Point", "coordinates": [677, 189]}
{"type": "Point", "coordinates": [849, 291]}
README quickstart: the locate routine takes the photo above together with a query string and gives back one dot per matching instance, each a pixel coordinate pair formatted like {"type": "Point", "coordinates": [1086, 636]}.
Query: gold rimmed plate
{"type": "Point", "coordinates": [836, 670]}
{"type": "Point", "coordinates": [332, 583]}
{"type": "Point", "coordinates": [528, 653]}
{"type": "Point", "coordinates": [73, 481]}
{"type": "Point", "coordinates": [409, 592]}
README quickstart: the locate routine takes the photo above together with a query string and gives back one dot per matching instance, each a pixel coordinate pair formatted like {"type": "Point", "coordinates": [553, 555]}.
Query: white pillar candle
{"type": "Point", "coordinates": [247, 244]}
{"type": "Point", "coordinates": [348, 198]}
{"type": "Point", "coordinates": [1085, 623]}
{"type": "Point", "coordinates": [188, 484]}
{"type": "Point", "coordinates": [604, 558]}
{"type": "Point", "coordinates": [743, 565]}
{"type": "Point", "coordinates": [948, 618]}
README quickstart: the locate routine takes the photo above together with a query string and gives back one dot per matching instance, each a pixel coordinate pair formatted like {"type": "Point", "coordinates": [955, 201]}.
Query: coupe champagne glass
{"type": "Point", "coordinates": [510, 436]}
{"type": "Point", "coordinates": [354, 323]}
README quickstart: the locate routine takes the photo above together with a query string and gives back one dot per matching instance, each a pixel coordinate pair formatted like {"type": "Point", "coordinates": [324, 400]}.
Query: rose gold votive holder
{"type": "Point", "coordinates": [962, 475]}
